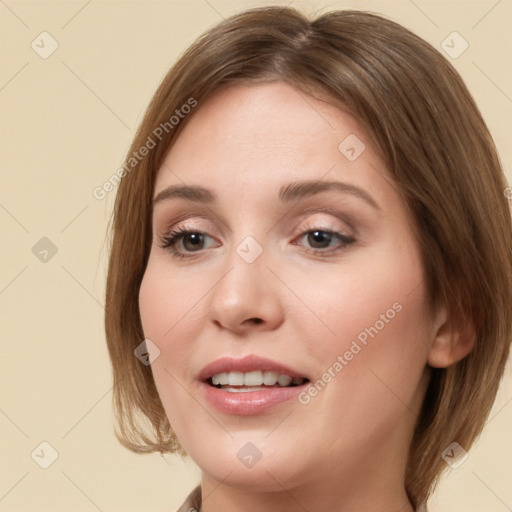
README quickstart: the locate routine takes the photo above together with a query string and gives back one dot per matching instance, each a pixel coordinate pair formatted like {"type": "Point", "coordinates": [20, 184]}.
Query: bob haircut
{"type": "Point", "coordinates": [429, 133]}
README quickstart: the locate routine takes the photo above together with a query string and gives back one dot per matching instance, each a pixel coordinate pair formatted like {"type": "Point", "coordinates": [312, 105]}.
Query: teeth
{"type": "Point", "coordinates": [270, 378]}
{"type": "Point", "coordinates": [254, 378]}
{"type": "Point", "coordinates": [218, 377]}
{"type": "Point", "coordinates": [235, 378]}
{"type": "Point", "coordinates": [243, 389]}
{"type": "Point", "coordinates": [284, 380]}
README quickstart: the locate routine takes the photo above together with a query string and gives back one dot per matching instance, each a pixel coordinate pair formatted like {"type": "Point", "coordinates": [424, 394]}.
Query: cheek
{"type": "Point", "coordinates": [172, 314]}
{"type": "Point", "coordinates": [370, 366]}
{"type": "Point", "coordinates": [166, 320]}
{"type": "Point", "coordinates": [165, 316]}
{"type": "Point", "coordinates": [168, 305]}
{"type": "Point", "coordinates": [371, 294]}
{"type": "Point", "coordinates": [369, 334]}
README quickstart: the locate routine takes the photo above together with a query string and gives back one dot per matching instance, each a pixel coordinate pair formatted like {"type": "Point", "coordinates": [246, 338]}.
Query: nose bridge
{"type": "Point", "coordinates": [247, 291]}
{"type": "Point", "coordinates": [249, 247]}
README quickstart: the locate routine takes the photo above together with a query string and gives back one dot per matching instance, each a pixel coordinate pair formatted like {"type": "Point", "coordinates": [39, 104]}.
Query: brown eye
{"type": "Point", "coordinates": [195, 241]}
{"type": "Point", "coordinates": [324, 242]}
{"type": "Point", "coordinates": [191, 241]}
{"type": "Point", "coordinates": [319, 238]}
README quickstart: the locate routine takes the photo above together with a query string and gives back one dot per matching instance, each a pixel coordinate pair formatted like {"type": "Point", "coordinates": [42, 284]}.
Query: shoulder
{"type": "Point", "coordinates": [193, 501]}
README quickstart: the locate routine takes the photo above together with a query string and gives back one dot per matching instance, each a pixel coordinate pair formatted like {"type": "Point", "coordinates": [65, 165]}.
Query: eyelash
{"type": "Point", "coordinates": [169, 240]}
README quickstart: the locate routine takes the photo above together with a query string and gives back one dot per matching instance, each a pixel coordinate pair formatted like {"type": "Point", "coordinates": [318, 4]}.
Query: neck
{"type": "Point", "coordinates": [223, 498]}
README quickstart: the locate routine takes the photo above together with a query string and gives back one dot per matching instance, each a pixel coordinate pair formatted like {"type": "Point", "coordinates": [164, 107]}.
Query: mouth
{"type": "Point", "coordinates": [249, 386]}
{"type": "Point", "coordinates": [257, 380]}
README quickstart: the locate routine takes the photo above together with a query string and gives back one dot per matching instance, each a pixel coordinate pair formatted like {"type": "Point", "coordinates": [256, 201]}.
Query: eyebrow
{"type": "Point", "coordinates": [287, 193]}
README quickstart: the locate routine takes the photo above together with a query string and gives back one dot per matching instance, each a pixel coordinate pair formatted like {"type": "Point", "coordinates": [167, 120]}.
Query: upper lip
{"type": "Point", "coordinates": [245, 364]}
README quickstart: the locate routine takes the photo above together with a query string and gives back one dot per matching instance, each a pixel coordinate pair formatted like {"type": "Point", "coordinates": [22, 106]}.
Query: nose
{"type": "Point", "coordinates": [247, 297]}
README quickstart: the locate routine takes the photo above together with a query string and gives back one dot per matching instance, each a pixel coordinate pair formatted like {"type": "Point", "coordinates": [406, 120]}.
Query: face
{"type": "Point", "coordinates": [322, 282]}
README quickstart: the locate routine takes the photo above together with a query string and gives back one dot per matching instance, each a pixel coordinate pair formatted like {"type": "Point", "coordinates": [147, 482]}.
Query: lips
{"type": "Point", "coordinates": [246, 364]}
{"type": "Point", "coordinates": [248, 400]}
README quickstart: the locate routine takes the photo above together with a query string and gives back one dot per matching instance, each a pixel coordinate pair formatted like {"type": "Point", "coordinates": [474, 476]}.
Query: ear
{"type": "Point", "coordinates": [453, 337]}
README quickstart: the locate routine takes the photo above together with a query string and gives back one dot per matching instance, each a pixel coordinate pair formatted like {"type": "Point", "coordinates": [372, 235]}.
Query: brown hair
{"type": "Point", "coordinates": [430, 134]}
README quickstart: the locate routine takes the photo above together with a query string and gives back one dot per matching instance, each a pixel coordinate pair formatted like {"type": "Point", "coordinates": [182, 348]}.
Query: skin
{"type": "Point", "coordinates": [346, 448]}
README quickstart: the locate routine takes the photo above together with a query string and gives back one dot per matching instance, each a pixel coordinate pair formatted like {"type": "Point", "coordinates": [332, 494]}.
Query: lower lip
{"type": "Point", "coordinates": [249, 402]}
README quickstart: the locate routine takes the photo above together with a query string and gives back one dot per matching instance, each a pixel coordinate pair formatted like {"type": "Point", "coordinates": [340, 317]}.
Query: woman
{"type": "Point", "coordinates": [311, 261]}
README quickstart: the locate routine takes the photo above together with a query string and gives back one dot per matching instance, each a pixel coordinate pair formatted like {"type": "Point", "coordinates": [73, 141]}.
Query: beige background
{"type": "Point", "coordinates": [66, 122]}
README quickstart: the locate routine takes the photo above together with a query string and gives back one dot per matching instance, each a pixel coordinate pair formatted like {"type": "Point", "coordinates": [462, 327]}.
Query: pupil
{"type": "Point", "coordinates": [320, 235]}
{"type": "Point", "coordinates": [195, 239]}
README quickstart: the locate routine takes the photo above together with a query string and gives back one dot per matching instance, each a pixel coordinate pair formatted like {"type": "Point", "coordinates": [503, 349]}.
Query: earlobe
{"type": "Point", "coordinates": [454, 338]}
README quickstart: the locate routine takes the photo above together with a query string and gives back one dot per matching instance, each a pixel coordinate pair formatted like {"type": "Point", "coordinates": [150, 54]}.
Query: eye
{"type": "Point", "coordinates": [192, 241]}
{"type": "Point", "coordinates": [322, 238]}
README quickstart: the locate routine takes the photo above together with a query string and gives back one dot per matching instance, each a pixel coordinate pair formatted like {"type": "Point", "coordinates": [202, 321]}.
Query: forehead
{"type": "Point", "coordinates": [255, 137]}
